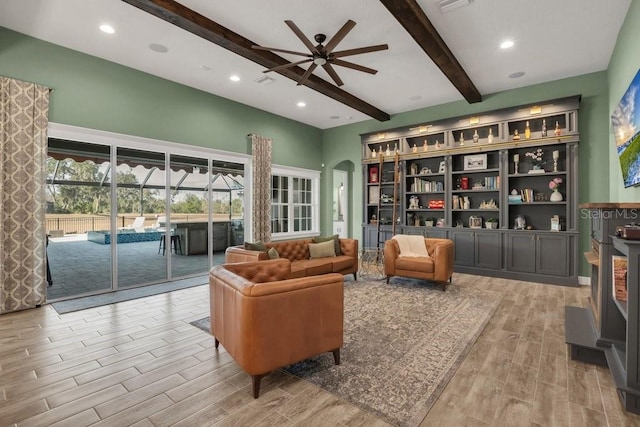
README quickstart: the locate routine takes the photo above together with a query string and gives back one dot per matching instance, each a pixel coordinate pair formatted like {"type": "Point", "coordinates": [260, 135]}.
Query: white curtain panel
{"type": "Point", "coordinates": [24, 111]}
{"type": "Point", "coordinates": [261, 153]}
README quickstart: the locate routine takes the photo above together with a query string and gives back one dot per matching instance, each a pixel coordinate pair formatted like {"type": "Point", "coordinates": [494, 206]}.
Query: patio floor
{"type": "Point", "coordinates": [79, 266]}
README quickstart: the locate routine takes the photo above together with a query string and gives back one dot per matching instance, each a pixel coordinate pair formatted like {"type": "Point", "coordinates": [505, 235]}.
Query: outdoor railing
{"type": "Point", "coordinates": [61, 224]}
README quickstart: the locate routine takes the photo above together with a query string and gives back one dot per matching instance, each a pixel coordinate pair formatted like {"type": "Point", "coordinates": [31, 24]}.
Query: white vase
{"type": "Point", "coordinates": [556, 196]}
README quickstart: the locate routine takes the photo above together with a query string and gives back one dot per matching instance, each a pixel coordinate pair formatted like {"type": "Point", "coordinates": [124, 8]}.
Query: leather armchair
{"type": "Point", "coordinates": [438, 267]}
{"type": "Point", "coordinates": [266, 321]}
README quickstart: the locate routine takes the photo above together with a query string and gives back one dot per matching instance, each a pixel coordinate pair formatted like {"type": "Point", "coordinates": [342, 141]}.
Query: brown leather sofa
{"type": "Point", "coordinates": [265, 320]}
{"type": "Point", "coordinates": [438, 267]}
{"type": "Point", "coordinates": [297, 251]}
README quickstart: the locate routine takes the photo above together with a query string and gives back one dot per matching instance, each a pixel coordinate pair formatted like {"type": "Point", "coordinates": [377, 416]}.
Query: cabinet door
{"type": "Point", "coordinates": [553, 257]}
{"type": "Point", "coordinates": [521, 252]}
{"type": "Point", "coordinates": [464, 247]}
{"type": "Point", "coordinates": [435, 232]}
{"type": "Point", "coordinates": [488, 249]}
{"type": "Point", "coordinates": [416, 231]}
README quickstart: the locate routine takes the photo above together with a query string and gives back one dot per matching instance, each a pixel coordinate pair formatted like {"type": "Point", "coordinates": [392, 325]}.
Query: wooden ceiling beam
{"type": "Point", "coordinates": [189, 20]}
{"type": "Point", "coordinates": [411, 16]}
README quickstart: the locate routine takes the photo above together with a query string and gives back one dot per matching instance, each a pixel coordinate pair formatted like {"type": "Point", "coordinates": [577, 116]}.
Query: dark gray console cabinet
{"type": "Point", "coordinates": [541, 253]}
{"type": "Point", "coordinates": [482, 249]}
{"type": "Point", "coordinates": [607, 332]}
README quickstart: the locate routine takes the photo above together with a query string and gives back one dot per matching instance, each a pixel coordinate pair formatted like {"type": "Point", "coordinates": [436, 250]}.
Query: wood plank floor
{"type": "Point", "coordinates": [141, 363]}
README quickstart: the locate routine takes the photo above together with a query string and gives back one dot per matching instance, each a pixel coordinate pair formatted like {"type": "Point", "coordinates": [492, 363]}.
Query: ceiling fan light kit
{"type": "Point", "coordinates": [323, 55]}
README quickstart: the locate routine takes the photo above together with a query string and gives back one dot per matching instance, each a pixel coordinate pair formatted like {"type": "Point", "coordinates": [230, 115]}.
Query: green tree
{"type": "Point", "coordinates": [83, 194]}
{"type": "Point", "coordinates": [193, 204]}
{"type": "Point", "coordinates": [236, 206]}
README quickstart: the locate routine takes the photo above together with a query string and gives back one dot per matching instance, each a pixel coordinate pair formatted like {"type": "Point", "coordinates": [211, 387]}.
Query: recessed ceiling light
{"type": "Point", "coordinates": [506, 44]}
{"type": "Point", "coordinates": [160, 48]}
{"type": "Point", "coordinates": [107, 29]}
{"type": "Point", "coordinates": [301, 104]}
{"type": "Point", "coordinates": [205, 68]}
{"type": "Point", "coordinates": [516, 74]}
{"type": "Point", "coordinates": [234, 78]}
{"type": "Point", "coordinates": [449, 5]}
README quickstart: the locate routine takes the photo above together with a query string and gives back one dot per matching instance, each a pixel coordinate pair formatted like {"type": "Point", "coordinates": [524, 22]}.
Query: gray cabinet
{"type": "Point", "coordinates": [464, 247]}
{"type": "Point", "coordinates": [488, 248]}
{"type": "Point", "coordinates": [552, 254]}
{"type": "Point", "coordinates": [482, 249]}
{"type": "Point", "coordinates": [541, 253]}
{"type": "Point", "coordinates": [431, 232]}
{"type": "Point", "coordinates": [521, 252]}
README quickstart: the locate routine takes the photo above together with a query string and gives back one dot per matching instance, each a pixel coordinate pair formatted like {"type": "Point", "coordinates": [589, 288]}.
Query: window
{"type": "Point", "coordinates": [294, 202]}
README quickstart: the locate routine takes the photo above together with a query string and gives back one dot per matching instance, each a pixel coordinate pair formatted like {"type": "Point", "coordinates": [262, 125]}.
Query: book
{"type": "Point", "coordinates": [619, 272]}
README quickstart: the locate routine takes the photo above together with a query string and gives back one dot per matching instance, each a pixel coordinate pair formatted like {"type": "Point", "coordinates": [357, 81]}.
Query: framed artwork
{"type": "Point", "coordinates": [475, 162]}
{"type": "Point", "coordinates": [441, 168]}
{"type": "Point", "coordinates": [374, 195]}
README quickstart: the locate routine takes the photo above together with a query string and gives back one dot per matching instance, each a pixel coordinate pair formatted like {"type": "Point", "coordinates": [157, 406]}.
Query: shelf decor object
{"type": "Point", "coordinates": [475, 162]}
{"type": "Point", "coordinates": [556, 157]}
{"type": "Point", "coordinates": [537, 162]}
{"type": "Point", "coordinates": [554, 185]}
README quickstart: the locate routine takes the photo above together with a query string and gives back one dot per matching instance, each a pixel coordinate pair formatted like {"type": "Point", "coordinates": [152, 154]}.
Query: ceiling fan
{"type": "Point", "coordinates": [323, 55]}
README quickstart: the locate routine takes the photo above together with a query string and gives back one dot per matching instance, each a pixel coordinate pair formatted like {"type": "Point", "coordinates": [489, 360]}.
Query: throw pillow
{"type": "Point", "coordinates": [336, 240]}
{"type": "Point", "coordinates": [322, 250]}
{"type": "Point", "coordinates": [273, 253]}
{"type": "Point", "coordinates": [257, 246]}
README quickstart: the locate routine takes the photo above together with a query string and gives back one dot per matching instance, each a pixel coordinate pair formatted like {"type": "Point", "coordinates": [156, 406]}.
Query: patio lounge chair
{"type": "Point", "coordinates": [137, 224]}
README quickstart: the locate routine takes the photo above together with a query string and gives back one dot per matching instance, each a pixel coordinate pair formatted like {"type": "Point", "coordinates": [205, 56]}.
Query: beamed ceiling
{"type": "Point", "coordinates": [434, 56]}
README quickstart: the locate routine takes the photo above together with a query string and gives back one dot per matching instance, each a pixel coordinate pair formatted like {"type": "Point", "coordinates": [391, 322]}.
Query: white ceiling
{"type": "Point", "coordinates": [553, 40]}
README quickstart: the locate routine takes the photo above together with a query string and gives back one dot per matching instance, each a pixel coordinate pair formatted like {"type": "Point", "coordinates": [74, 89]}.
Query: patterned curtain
{"type": "Point", "coordinates": [24, 109]}
{"type": "Point", "coordinates": [261, 152]}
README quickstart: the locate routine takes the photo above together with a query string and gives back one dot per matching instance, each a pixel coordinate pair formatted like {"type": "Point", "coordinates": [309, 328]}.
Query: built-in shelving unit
{"type": "Point", "coordinates": [459, 173]}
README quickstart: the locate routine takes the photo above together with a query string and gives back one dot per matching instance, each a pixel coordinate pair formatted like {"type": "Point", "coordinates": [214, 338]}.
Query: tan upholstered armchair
{"type": "Point", "coordinates": [438, 267]}
{"type": "Point", "coordinates": [266, 321]}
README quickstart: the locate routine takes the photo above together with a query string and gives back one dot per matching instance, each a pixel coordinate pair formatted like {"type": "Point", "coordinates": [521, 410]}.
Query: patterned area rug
{"type": "Point", "coordinates": [403, 342]}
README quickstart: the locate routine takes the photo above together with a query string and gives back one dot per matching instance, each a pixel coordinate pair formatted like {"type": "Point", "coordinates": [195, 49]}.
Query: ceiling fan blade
{"type": "Point", "coordinates": [301, 36]}
{"type": "Point", "coordinates": [275, 49]}
{"type": "Point", "coordinates": [337, 38]}
{"type": "Point", "coordinates": [306, 74]}
{"type": "Point", "coordinates": [290, 64]}
{"type": "Point", "coordinates": [353, 66]}
{"type": "Point", "coordinates": [359, 50]}
{"type": "Point", "coordinates": [332, 73]}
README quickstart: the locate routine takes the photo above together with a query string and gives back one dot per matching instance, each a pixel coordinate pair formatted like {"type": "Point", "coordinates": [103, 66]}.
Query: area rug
{"type": "Point", "coordinates": [403, 342]}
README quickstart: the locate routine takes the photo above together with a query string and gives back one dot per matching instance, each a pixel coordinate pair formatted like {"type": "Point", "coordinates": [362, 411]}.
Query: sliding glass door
{"type": "Point", "coordinates": [121, 217]}
{"type": "Point", "coordinates": [189, 215]}
{"type": "Point", "coordinates": [78, 218]}
{"type": "Point", "coordinates": [141, 199]}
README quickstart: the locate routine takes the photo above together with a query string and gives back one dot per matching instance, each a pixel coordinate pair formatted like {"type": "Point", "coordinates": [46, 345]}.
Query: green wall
{"type": "Point", "coordinates": [623, 66]}
{"type": "Point", "coordinates": [343, 143]}
{"type": "Point", "coordinates": [97, 94]}
{"type": "Point", "coordinates": [94, 93]}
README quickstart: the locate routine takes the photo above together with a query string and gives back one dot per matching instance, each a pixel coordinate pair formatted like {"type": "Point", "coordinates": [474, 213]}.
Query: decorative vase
{"type": "Point", "coordinates": [556, 196]}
